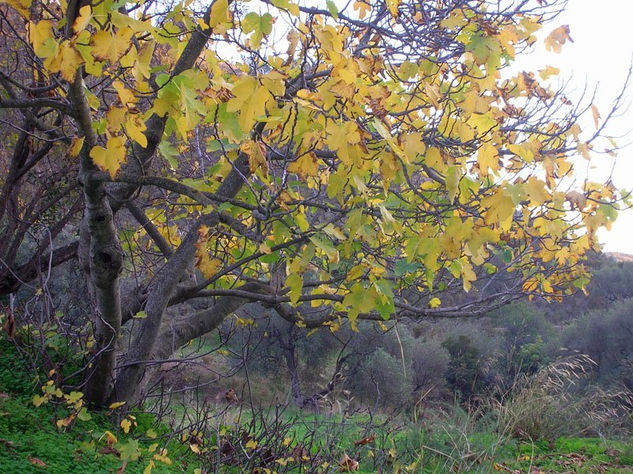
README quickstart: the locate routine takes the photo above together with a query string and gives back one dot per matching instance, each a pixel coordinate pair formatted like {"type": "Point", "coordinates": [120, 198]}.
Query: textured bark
{"type": "Point", "coordinates": [104, 255]}
{"type": "Point", "coordinates": [164, 283]}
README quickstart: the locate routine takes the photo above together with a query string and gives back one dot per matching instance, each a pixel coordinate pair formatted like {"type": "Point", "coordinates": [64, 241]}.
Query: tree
{"type": "Point", "coordinates": [364, 162]}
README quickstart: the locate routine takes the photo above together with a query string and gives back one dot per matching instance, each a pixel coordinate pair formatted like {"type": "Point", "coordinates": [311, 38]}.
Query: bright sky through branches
{"type": "Point", "coordinates": [599, 56]}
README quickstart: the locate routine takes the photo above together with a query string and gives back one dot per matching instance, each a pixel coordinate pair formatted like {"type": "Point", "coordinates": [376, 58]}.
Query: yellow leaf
{"type": "Point", "coordinates": [65, 62]}
{"type": "Point", "coordinates": [488, 158]}
{"type": "Point", "coordinates": [482, 122]}
{"type": "Point", "coordinates": [115, 117]}
{"type": "Point", "coordinates": [21, 6]}
{"type": "Point", "coordinates": [149, 467]}
{"type": "Point", "coordinates": [433, 158]}
{"type": "Point", "coordinates": [362, 7]}
{"type": "Point", "coordinates": [453, 177]}
{"type": "Point", "coordinates": [433, 92]}
{"type": "Point", "coordinates": [82, 19]}
{"type": "Point", "coordinates": [38, 34]}
{"type": "Point", "coordinates": [499, 209]}
{"type": "Point", "coordinates": [219, 13]}
{"type": "Point", "coordinates": [75, 147]}
{"type": "Point", "coordinates": [474, 103]}
{"type": "Point", "coordinates": [256, 152]}
{"type": "Point", "coordinates": [110, 158]}
{"type": "Point", "coordinates": [111, 47]}
{"type": "Point", "coordinates": [250, 100]}
{"type": "Point", "coordinates": [135, 127]}
{"type": "Point", "coordinates": [596, 115]}
{"type": "Point", "coordinates": [114, 406]}
{"type": "Point", "coordinates": [207, 265]}
{"type": "Point", "coordinates": [548, 72]}
{"type": "Point", "coordinates": [340, 136]}
{"type": "Point", "coordinates": [293, 40]}
{"type": "Point", "coordinates": [125, 95]}
{"type": "Point", "coordinates": [38, 400]}
{"type": "Point", "coordinates": [557, 38]}
{"type": "Point", "coordinates": [468, 275]}
{"type": "Point", "coordinates": [126, 424]}
{"type": "Point", "coordinates": [389, 167]}
{"type": "Point", "coordinates": [122, 20]}
{"type": "Point", "coordinates": [523, 150]}
{"type": "Point", "coordinates": [294, 281]}
{"type": "Point", "coordinates": [434, 302]}
{"type": "Point", "coordinates": [393, 7]}
{"type": "Point", "coordinates": [306, 165]}
{"type": "Point", "coordinates": [143, 61]}
{"type": "Point", "coordinates": [65, 421]}
{"type": "Point", "coordinates": [110, 438]}
{"type": "Point", "coordinates": [251, 444]}
{"type": "Point", "coordinates": [162, 457]}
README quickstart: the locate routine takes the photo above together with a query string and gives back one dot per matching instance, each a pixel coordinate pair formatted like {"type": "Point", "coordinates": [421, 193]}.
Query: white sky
{"type": "Point", "coordinates": [600, 55]}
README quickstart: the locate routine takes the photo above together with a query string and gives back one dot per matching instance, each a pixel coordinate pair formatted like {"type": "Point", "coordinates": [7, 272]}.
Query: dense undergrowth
{"type": "Point", "coordinates": [52, 438]}
{"type": "Point", "coordinates": [498, 395]}
{"type": "Point", "coordinates": [277, 439]}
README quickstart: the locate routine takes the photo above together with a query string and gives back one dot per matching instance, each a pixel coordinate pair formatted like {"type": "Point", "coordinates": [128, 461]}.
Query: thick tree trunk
{"type": "Point", "coordinates": [102, 253]}
{"type": "Point", "coordinates": [127, 384]}
{"type": "Point", "coordinates": [105, 255]}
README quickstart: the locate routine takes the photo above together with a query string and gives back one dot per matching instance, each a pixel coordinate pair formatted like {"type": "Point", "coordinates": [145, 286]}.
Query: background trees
{"type": "Point", "coordinates": [367, 163]}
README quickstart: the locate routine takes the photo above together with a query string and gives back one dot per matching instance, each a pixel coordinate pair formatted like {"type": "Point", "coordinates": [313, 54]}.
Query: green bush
{"type": "Point", "coordinates": [464, 375]}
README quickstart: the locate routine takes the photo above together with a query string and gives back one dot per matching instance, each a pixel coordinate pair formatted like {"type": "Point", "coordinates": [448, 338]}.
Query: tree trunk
{"type": "Point", "coordinates": [295, 384]}
{"type": "Point", "coordinates": [105, 255]}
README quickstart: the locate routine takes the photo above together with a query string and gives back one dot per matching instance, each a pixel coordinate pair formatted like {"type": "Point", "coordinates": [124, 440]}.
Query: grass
{"type": "Point", "coordinates": [586, 455]}
{"type": "Point", "coordinates": [31, 442]}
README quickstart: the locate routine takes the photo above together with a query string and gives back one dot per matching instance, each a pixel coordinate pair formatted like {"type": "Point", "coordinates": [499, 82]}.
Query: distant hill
{"type": "Point", "coordinates": [619, 256]}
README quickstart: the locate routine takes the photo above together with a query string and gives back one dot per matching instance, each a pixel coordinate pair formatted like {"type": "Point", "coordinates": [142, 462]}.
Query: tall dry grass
{"type": "Point", "coordinates": [559, 401]}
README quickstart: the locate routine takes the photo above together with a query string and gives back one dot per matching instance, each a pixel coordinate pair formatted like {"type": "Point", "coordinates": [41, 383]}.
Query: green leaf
{"type": "Point", "coordinates": [130, 450]}
{"type": "Point", "coordinates": [83, 415]}
{"type": "Point", "coordinates": [259, 25]}
{"type": "Point", "coordinates": [332, 8]}
{"type": "Point", "coordinates": [324, 244]}
{"type": "Point", "coordinates": [402, 267]}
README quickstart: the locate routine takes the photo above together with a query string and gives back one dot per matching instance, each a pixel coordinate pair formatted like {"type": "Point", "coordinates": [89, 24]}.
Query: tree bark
{"type": "Point", "coordinates": [105, 255]}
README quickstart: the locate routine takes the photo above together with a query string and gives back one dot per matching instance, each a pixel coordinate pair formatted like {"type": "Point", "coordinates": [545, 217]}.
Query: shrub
{"type": "Point", "coordinates": [464, 375]}
{"type": "Point", "coordinates": [429, 363]}
{"type": "Point", "coordinates": [380, 380]}
{"type": "Point", "coordinates": [607, 337]}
